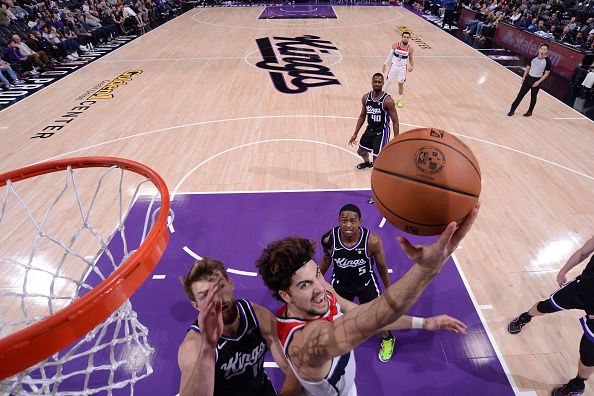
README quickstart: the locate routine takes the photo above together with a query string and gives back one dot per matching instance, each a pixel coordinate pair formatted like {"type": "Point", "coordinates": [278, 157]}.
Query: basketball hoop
{"type": "Point", "coordinates": [47, 323]}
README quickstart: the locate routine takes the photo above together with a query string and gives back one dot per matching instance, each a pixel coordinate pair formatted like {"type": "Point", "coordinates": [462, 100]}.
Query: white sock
{"type": "Point", "coordinates": [399, 97]}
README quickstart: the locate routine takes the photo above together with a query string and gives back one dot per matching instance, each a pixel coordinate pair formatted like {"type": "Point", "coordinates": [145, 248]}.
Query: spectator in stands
{"type": "Point", "coordinates": [4, 16]}
{"type": "Point", "coordinates": [579, 41]}
{"type": "Point", "coordinates": [449, 7]}
{"type": "Point", "coordinates": [38, 43]}
{"type": "Point", "coordinates": [39, 59]}
{"type": "Point", "coordinates": [524, 22]}
{"type": "Point", "coordinates": [515, 16]}
{"type": "Point", "coordinates": [566, 36]}
{"type": "Point", "coordinates": [589, 42]}
{"type": "Point", "coordinates": [588, 81]}
{"type": "Point", "coordinates": [572, 25]}
{"type": "Point", "coordinates": [5, 68]}
{"type": "Point", "coordinates": [17, 11]}
{"type": "Point", "coordinates": [16, 58]}
{"type": "Point", "coordinates": [587, 27]}
{"type": "Point", "coordinates": [533, 27]}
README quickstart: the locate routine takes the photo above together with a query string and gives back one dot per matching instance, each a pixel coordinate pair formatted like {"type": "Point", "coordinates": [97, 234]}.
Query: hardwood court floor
{"type": "Point", "coordinates": [201, 109]}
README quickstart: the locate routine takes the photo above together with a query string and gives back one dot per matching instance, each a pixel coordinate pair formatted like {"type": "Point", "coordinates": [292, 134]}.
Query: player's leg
{"type": "Point", "coordinates": [564, 298]}
{"type": "Point", "coordinates": [577, 385]}
{"type": "Point", "coordinates": [533, 94]}
{"type": "Point", "coordinates": [378, 141]}
{"type": "Point", "coordinates": [370, 292]}
{"type": "Point", "coordinates": [365, 147]}
{"type": "Point", "coordinates": [389, 80]}
{"type": "Point", "coordinates": [401, 79]}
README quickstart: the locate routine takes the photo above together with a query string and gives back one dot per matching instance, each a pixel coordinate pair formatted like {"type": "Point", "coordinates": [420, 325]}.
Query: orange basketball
{"type": "Point", "coordinates": [424, 179]}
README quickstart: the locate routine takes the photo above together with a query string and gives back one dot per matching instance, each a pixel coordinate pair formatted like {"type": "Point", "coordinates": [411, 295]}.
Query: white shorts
{"type": "Point", "coordinates": [397, 73]}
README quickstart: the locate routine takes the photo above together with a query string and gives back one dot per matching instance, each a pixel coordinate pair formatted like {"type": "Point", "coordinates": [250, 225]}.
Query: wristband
{"type": "Point", "coordinates": [417, 323]}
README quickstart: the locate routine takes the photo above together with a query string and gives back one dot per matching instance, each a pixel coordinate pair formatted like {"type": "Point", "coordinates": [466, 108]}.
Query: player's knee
{"type": "Point", "coordinates": [546, 307]}
{"type": "Point", "coordinates": [587, 351]}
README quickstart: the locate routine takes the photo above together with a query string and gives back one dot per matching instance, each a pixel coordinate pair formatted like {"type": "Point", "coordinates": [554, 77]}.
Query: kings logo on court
{"type": "Point", "coordinates": [295, 64]}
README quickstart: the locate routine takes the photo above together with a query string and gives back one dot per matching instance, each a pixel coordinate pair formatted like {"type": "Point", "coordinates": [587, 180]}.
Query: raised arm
{"type": "Point", "coordinates": [391, 107]}
{"type": "Point", "coordinates": [196, 355]}
{"type": "Point", "coordinates": [318, 342]}
{"type": "Point", "coordinates": [360, 121]}
{"type": "Point", "coordinates": [580, 255]}
{"type": "Point", "coordinates": [291, 386]}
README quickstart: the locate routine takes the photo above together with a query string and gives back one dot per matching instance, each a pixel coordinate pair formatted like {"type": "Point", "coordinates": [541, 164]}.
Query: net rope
{"type": "Point", "coordinates": [116, 353]}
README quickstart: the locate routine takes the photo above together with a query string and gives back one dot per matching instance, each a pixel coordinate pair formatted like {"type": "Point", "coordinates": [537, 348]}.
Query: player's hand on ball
{"type": "Point", "coordinates": [444, 322]}
{"type": "Point", "coordinates": [431, 258]}
{"type": "Point", "coordinates": [353, 140]}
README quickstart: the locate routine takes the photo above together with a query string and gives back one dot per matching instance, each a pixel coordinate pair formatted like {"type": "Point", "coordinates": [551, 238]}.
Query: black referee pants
{"type": "Point", "coordinates": [527, 86]}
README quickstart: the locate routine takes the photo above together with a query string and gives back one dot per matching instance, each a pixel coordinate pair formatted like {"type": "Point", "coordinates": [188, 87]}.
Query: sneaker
{"type": "Point", "coordinates": [19, 82]}
{"type": "Point", "coordinates": [511, 113]}
{"type": "Point", "coordinates": [387, 348]}
{"type": "Point", "coordinates": [364, 165]}
{"type": "Point", "coordinates": [399, 103]}
{"type": "Point", "coordinates": [527, 114]}
{"type": "Point", "coordinates": [515, 326]}
{"type": "Point", "coordinates": [371, 201]}
{"type": "Point", "coordinates": [569, 389]}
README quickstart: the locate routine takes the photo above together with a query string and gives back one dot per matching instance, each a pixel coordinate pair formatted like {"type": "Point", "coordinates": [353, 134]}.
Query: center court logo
{"type": "Point", "coordinates": [298, 65]}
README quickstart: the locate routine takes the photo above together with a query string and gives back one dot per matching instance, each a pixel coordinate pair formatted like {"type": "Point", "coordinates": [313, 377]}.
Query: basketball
{"type": "Point", "coordinates": [424, 179]}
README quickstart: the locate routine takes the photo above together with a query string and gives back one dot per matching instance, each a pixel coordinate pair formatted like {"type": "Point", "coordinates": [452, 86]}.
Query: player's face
{"type": "Point", "coordinates": [307, 293]}
{"type": "Point", "coordinates": [405, 38]}
{"type": "Point", "coordinates": [349, 223]}
{"type": "Point", "coordinates": [225, 292]}
{"type": "Point", "coordinates": [377, 83]}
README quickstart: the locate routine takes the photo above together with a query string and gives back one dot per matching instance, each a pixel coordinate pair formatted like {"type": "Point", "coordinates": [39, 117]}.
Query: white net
{"type": "Point", "coordinates": [58, 243]}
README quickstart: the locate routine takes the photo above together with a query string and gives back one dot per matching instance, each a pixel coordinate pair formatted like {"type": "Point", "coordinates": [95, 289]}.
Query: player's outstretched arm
{"type": "Point", "coordinates": [318, 342]}
{"type": "Point", "coordinates": [196, 355]}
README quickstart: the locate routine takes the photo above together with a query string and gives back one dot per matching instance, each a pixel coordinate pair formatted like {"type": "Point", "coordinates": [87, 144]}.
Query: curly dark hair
{"type": "Point", "coordinates": [279, 261]}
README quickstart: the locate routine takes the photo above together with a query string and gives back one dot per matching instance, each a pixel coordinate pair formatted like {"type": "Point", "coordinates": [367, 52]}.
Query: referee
{"type": "Point", "coordinates": [534, 75]}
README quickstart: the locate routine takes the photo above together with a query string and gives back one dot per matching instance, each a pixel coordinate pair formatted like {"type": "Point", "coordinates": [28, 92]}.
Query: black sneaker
{"type": "Point", "coordinates": [511, 113]}
{"type": "Point", "coordinates": [569, 389]}
{"type": "Point", "coordinates": [515, 326]}
{"type": "Point", "coordinates": [371, 201]}
{"type": "Point", "coordinates": [527, 114]}
{"type": "Point", "coordinates": [364, 165]}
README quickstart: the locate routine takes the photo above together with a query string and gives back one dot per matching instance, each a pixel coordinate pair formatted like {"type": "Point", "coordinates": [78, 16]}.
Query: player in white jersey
{"type": "Point", "coordinates": [399, 62]}
{"type": "Point", "coordinates": [319, 330]}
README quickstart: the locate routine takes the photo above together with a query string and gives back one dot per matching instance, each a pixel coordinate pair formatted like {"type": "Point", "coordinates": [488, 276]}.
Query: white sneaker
{"type": "Point", "coordinates": [75, 54]}
{"type": "Point", "coordinates": [70, 57]}
{"type": "Point", "coordinates": [19, 82]}
{"type": "Point", "coordinates": [34, 72]}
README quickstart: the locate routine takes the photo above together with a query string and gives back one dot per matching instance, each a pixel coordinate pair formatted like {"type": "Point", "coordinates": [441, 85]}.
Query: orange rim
{"type": "Point", "coordinates": [23, 349]}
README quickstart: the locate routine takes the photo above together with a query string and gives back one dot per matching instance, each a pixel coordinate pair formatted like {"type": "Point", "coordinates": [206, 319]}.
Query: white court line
{"type": "Point", "coordinates": [269, 191]}
{"type": "Point", "coordinates": [238, 272]}
{"type": "Point", "coordinates": [390, 271]}
{"type": "Point", "coordinates": [183, 179]}
{"type": "Point", "coordinates": [295, 116]}
{"type": "Point", "coordinates": [485, 307]}
{"type": "Point", "coordinates": [3, 127]}
{"type": "Point", "coordinates": [270, 365]}
{"type": "Point", "coordinates": [527, 393]}
{"type": "Point", "coordinates": [381, 224]}
{"type": "Point", "coordinates": [230, 270]}
{"type": "Point", "coordinates": [158, 277]}
{"type": "Point", "coordinates": [486, 326]}
{"type": "Point", "coordinates": [171, 229]}
{"type": "Point", "coordinates": [570, 118]}
{"type": "Point", "coordinates": [191, 253]}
